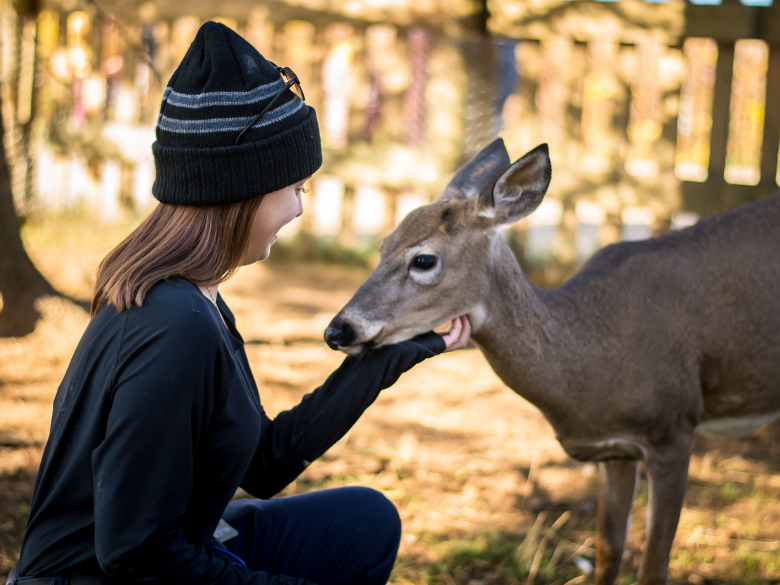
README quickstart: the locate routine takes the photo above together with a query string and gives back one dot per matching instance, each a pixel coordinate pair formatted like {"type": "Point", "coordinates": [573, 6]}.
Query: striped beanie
{"type": "Point", "coordinates": [219, 87]}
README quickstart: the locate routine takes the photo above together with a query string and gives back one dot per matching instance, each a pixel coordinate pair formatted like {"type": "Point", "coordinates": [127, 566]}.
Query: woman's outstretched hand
{"type": "Point", "coordinates": [457, 334]}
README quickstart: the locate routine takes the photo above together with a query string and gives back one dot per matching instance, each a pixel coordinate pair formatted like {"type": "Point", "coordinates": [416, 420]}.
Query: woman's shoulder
{"type": "Point", "coordinates": [174, 312]}
{"type": "Point", "coordinates": [176, 294]}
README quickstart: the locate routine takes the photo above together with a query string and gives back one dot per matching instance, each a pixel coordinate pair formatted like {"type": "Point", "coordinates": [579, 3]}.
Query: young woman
{"type": "Point", "coordinates": [158, 419]}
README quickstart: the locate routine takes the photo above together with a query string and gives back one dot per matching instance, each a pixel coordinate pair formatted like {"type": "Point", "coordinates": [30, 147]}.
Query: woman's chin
{"type": "Point", "coordinates": [259, 257]}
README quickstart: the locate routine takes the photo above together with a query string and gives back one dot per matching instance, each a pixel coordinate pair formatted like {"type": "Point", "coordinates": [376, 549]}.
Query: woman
{"type": "Point", "coordinates": [158, 418]}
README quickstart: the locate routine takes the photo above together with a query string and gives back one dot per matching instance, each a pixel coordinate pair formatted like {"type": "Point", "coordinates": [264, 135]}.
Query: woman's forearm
{"type": "Point", "coordinates": [298, 436]}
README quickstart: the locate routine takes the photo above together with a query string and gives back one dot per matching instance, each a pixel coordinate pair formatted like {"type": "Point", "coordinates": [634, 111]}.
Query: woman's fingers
{"type": "Point", "coordinates": [449, 336]}
{"type": "Point", "coordinates": [457, 334]}
{"type": "Point", "coordinates": [452, 332]}
{"type": "Point", "coordinates": [463, 336]}
{"type": "Point", "coordinates": [466, 332]}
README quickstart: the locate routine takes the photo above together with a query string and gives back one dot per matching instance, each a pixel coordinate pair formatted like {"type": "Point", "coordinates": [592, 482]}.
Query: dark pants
{"type": "Point", "coordinates": [340, 536]}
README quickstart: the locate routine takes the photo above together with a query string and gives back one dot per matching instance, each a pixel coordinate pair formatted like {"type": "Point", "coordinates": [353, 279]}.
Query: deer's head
{"type": "Point", "coordinates": [435, 265]}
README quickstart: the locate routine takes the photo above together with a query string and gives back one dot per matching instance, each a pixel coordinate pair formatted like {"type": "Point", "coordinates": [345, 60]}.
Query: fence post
{"type": "Point", "coordinates": [720, 111]}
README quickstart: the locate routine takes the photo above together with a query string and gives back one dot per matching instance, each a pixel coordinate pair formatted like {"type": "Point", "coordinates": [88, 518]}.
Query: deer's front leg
{"type": "Point", "coordinates": [667, 476]}
{"type": "Point", "coordinates": [618, 482]}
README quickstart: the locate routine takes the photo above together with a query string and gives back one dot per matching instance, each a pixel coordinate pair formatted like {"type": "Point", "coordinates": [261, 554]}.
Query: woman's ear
{"type": "Point", "coordinates": [519, 190]}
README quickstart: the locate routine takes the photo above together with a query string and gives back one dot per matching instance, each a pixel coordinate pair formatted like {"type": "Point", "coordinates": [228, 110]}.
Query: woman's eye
{"type": "Point", "coordinates": [424, 262]}
{"type": "Point", "coordinates": [302, 190]}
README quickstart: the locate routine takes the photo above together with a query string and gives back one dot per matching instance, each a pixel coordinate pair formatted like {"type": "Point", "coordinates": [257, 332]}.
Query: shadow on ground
{"type": "Point", "coordinates": [15, 495]}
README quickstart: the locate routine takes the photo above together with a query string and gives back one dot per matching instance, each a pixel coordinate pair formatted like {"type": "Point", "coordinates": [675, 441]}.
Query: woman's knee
{"type": "Point", "coordinates": [377, 509]}
{"type": "Point", "coordinates": [378, 515]}
{"type": "Point", "coordinates": [352, 533]}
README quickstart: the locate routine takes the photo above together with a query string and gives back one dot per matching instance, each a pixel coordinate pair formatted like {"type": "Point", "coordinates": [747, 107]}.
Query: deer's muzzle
{"type": "Point", "coordinates": [339, 333]}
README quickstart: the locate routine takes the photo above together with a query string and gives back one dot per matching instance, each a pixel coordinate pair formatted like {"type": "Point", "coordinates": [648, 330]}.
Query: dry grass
{"type": "Point", "coordinates": [486, 494]}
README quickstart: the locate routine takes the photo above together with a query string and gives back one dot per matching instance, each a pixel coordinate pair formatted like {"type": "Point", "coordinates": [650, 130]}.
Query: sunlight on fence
{"type": "Point", "coordinates": [694, 122]}
{"type": "Point", "coordinates": [748, 98]}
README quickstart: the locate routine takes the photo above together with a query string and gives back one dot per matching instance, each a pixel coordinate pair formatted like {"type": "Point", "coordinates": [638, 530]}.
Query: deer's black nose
{"type": "Point", "coordinates": [339, 334]}
{"type": "Point", "coordinates": [332, 337]}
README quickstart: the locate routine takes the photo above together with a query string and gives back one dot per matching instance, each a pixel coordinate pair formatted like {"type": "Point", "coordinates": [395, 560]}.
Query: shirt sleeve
{"type": "Point", "coordinates": [163, 397]}
{"type": "Point", "coordinates": [298, 436]}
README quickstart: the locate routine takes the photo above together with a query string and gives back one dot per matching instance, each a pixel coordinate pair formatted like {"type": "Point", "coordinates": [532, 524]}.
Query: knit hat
{"type": "Point", "coordinates": [219, 87]}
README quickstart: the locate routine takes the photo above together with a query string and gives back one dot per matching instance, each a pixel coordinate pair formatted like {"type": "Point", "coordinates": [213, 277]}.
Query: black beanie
{"type": "Point", "coordinates": [219, 87]}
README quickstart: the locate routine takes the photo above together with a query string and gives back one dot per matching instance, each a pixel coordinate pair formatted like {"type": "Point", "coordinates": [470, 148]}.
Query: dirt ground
{"type": "Point", "coordinates": [486, 494]}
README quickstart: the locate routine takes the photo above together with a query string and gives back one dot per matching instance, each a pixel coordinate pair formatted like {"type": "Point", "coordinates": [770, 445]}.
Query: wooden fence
{"type": "Point", "coordinates": [655, 113]}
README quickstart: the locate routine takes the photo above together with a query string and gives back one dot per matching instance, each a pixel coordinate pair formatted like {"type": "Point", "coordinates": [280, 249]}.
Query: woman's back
{"type": "Point", "coordinates": [157, 375]}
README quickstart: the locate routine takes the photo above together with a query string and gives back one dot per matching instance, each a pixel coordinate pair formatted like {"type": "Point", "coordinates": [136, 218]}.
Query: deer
{"type": "Point", "coordinates": [648, 342]}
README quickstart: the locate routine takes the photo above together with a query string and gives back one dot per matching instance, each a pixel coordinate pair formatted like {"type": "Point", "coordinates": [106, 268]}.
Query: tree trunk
{"type": "Point", "coordinates": [20, 282]}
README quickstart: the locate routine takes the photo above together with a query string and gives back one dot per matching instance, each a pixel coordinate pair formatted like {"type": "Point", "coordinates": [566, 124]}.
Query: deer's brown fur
{"type": "Point", "coordinates": [647, 342]}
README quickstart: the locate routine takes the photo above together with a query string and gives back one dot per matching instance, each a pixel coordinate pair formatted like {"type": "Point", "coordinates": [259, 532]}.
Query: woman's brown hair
{"type": "Point", "coordinates": [205, 245]}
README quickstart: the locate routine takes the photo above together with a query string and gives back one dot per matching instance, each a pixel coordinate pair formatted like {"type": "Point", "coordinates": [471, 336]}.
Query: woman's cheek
{"type": "Point", "coordinates": [292, 212]}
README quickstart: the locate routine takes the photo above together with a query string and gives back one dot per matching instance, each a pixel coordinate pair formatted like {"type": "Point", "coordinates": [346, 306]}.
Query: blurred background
{"type": "Point", "coordinates": [657, 113]}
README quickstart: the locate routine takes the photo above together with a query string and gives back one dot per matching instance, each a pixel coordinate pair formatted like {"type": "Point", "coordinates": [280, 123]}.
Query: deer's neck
{"type": "Point", "coordinates": [523, 338]}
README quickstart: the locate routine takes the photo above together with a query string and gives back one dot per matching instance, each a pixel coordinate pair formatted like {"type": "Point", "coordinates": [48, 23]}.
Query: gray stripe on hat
{"type": "Point", "coordinates": [227, 124]}
{"type": "Point", "coordinates": [222, 98]}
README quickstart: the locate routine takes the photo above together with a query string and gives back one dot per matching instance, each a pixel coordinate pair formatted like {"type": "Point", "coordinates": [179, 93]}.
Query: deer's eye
{"type": "Point", "coordinates": [424, 262]}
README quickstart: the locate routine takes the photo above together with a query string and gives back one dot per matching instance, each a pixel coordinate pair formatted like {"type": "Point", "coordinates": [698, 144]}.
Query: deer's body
{"type": "Point", "coordinates": [647, 342]}
{"type": "Point", "coordinates": [671, 332]}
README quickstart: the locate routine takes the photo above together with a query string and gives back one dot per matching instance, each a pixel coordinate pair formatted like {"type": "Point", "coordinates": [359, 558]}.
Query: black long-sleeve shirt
{"type": "Point", "coordinates": [158, 421]}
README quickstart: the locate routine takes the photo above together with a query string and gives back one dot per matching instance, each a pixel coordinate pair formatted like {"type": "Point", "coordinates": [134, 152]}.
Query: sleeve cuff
{"type": "Point", "coordinates": [431, 342]}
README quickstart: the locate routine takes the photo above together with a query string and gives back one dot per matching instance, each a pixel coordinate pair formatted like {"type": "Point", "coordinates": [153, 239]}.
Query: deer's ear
{"type": "Point", "coordinates": [520, 189]}
{"type": "Point", "coordinates": [477, 173]}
